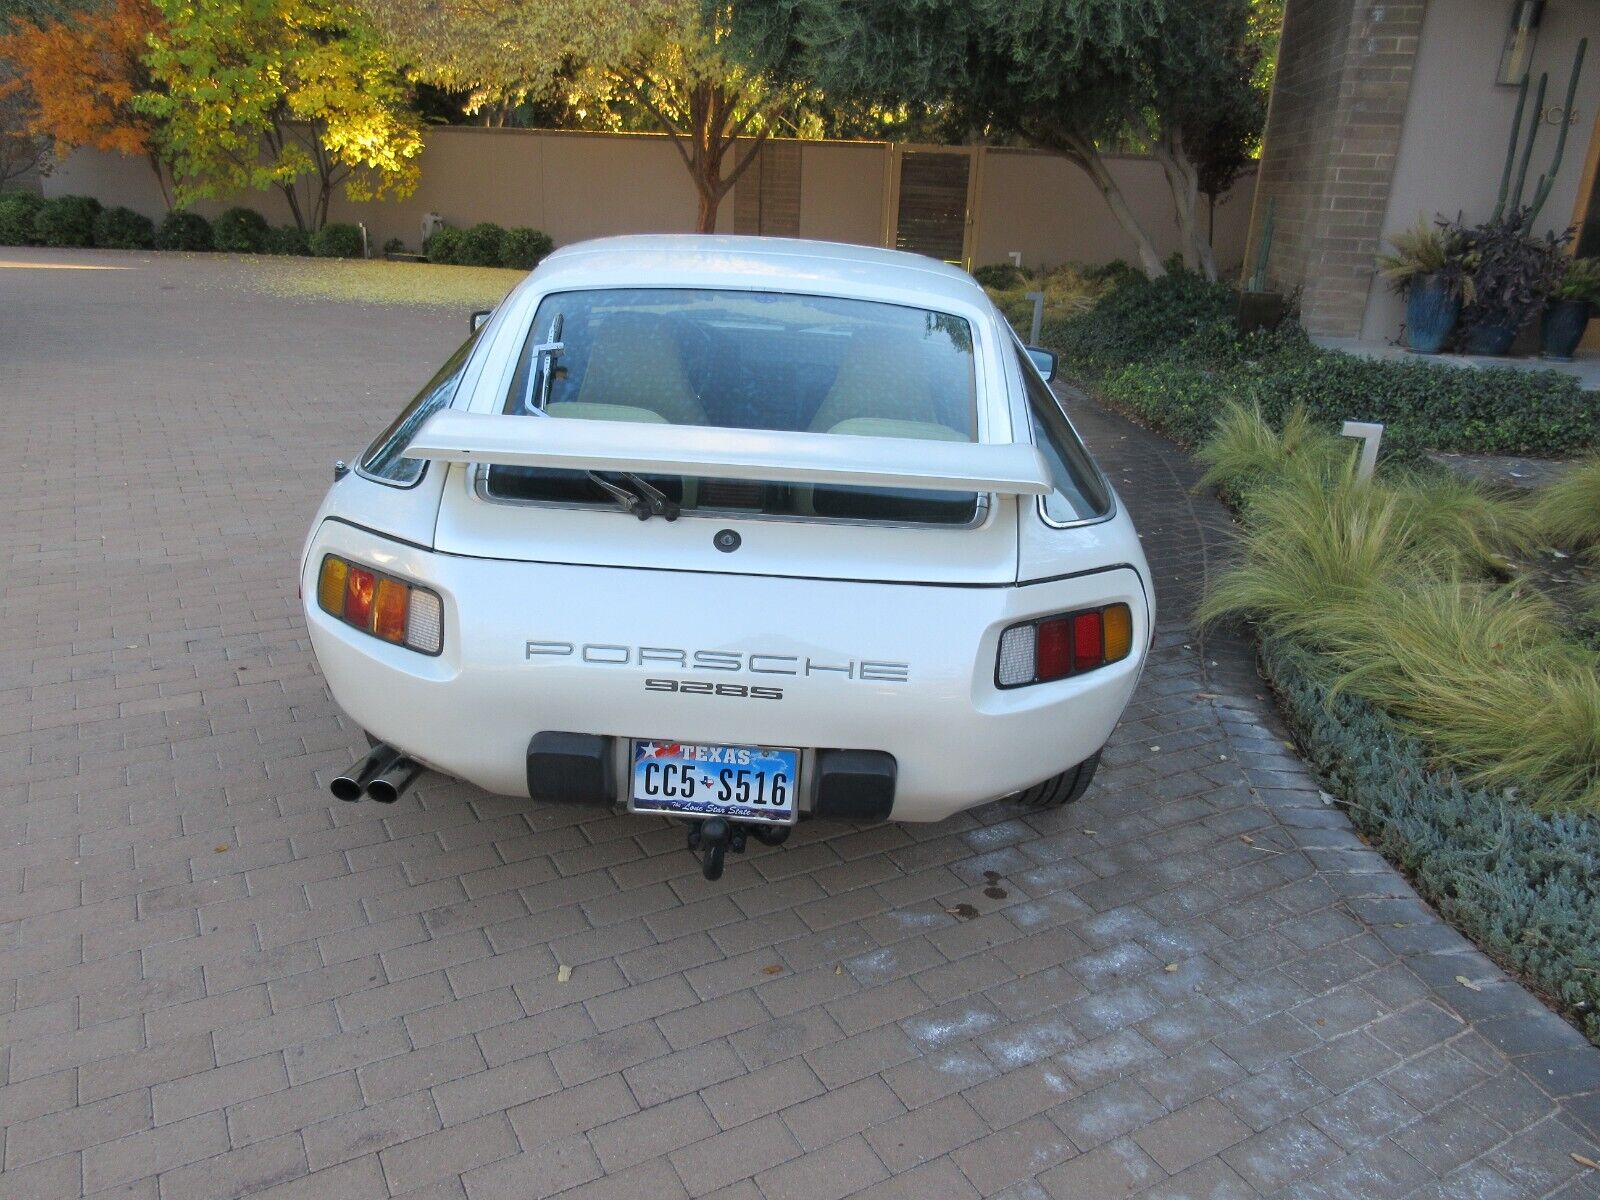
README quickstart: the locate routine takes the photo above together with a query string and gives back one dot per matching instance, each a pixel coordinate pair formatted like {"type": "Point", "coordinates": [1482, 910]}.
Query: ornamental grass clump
{"type": "Point", "coordinates": [1392, 585]}
{"type": "Point", "coordinates": [1568, 510]}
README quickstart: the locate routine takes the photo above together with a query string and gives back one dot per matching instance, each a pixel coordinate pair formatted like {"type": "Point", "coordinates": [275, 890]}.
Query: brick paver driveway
{"type": "Point", "coordinates": [217, 981]}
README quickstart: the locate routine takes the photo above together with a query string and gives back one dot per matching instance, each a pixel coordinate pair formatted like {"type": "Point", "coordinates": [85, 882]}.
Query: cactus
{"type": "Point", "coordinates": [1258, 277]}
{"type": "Point", "coordinates": [1510, 197]}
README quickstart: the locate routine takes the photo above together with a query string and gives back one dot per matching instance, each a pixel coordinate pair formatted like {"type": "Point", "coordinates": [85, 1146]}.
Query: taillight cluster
{"type": "Point", "coordinates": [1064, 644]}
{"type": "Point", "coordinates": [379, 604]}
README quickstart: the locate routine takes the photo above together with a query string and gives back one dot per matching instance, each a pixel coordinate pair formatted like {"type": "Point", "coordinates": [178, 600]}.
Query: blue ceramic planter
{"type": "Point", "coordinates": [1431, 312]}
{"type": "Point", "coordinates": [1492, 338]}
{"type": "Point", "coordinates": [1561, 328]}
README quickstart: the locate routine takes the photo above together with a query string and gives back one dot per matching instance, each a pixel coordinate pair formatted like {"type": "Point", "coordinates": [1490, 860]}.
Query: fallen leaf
{"type": "Point", "coordinates": [1088, 832]}
{"type": "Point", "coordinates": [563, 973]}
{"type": "Point", "coordinates": [838, 970]}
{"type": "Point", "coordinates": [1170, 968]}
{"type": "Point", "coordinates": [1247, 839]}
{"type": "Point", "coordinates": [1154, 749]}
{"type": "Point", "coordinates": [1205, 696]}
{"type": "Point", "coordinates": [1585, 1161]}
{"type": "Point", "coordinates": [1468, 984]}
{"type": "Point", "coordinates": [219, 850]}
{"type": "Point", "coordinates": [772, 969]}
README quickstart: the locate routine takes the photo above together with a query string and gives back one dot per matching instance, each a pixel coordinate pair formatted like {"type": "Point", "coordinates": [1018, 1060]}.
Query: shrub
{"type": "Point", "coordinates": [240, 231]}
{"type": "Point", "coordinates": [443, 245]}
{"type": "Point", "coordinates": [481, 246]}
{"type": "Point", "coordinates": [338, 241]}
{"type": "Point", "coordinates": [1568, 511]}
{"type": "Point", "coordinates": [1183, 389]}
{"type": "Point", "coordinates": [1524, 885]}
{"type": "Point", "coordinates": [524, 248]}
{"type": "Point", "coordinates": [1000, 276]}
{"type": "Point", "coordinates": [66, 221]}
{"type": "Point", "coordinates": [288, 239]}
{"type": "Point", "coordinates": [183, 230]}
{"type": "Point", "coordinates": [123, 229]}
{"type": "Point", "coordinates": [17, 210]}
{"type": "Point", "coordinates": [394, 246]}
{"type": "Point", "coordinates": [1139, 319]}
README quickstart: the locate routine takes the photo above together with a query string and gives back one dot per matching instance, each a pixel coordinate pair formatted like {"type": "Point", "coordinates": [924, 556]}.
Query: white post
{"type": "Point", "coordinates": [1038, 316]}
{"type": "Point", "coordinates": [1370, 433]}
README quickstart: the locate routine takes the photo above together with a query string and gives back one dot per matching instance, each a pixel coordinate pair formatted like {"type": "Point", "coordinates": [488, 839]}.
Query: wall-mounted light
{"type": "Point", "coordinates": [1517, 56]}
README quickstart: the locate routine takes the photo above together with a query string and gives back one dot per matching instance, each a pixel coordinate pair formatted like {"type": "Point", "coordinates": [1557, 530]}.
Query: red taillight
{"type": "Point", "coordinates": [1055, 647]}
{"type": "Point", "coordinates": [1052, 654]}
{"type": "Point", "coordinates": [358, 593]}
{"type": "Point", "coordinates": [1086, 650]}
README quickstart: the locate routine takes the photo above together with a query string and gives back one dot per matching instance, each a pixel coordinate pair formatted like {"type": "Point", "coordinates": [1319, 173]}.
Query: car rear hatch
{"type": "Point", "coordinates": [756, 502]}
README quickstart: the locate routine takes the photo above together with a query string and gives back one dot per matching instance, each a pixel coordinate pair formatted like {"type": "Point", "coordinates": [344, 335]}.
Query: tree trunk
{"type": "Point", "coordinates": [1086, 154]}
{"type": "Point", "coordinates": [713, 131]}
{"type": "Point", "coordinates": [1184, 182]}
{"type": "Point", "coordinates": [161, 179]}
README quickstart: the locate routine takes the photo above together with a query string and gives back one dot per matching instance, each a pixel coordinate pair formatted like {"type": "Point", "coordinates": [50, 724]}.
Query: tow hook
{"type": "Point", "coordinates": [711, 839]}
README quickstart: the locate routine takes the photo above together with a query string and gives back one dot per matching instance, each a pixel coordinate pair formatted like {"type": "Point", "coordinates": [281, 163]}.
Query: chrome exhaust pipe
{"type": "Point", "coordinates": [392, 784]}
{"type": "Point", "coordinates": [353, 782]}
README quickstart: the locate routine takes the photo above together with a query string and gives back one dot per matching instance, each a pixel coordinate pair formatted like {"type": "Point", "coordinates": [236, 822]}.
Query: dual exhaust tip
{"type": "Point", "coordinates": [383, 775]}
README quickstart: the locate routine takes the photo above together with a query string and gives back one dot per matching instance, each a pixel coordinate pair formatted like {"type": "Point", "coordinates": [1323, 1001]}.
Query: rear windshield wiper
{"type": "Point", "coordinates": [647, 502]}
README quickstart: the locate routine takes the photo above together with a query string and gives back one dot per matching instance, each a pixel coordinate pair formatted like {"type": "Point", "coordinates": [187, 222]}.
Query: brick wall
{"type": "Point", "coordinates": [1338, 106]}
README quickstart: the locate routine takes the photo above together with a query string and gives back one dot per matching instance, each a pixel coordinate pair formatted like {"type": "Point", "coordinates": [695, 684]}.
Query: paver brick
{"type": "Point", "coordinates": [342, 1001]}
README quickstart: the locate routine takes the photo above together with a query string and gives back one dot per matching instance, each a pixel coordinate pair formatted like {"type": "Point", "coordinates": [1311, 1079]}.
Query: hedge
{"type": "Point", "coordinates": [442, 245]}
{"type": "Point", "coordinates": [17, 210]}
{"type": "Point", "coordinates": [524, 248]}
{"type": "Point", "coordinates": [1523, 885]}
{"type": "Point", "coordinates": [66, 221]}
{"type": "Point", "coordinates": [338, 241]}
{"type": "Point", "coordinates": [240, 231]}
{"type": "Point", "coordinates": [1165, 351]}
{"type": "Point", "coordinates": [481, 246]}
{"type": "Point", "coordinates": [121, 228]}
{"type": "Point", "coordinates": [183, 230]}
{"type": "Point", "coordinates": [288, 239]}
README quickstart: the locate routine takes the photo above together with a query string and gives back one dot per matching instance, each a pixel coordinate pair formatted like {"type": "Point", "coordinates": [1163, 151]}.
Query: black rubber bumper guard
{"type": "Point", "coordinates": [579, 768]}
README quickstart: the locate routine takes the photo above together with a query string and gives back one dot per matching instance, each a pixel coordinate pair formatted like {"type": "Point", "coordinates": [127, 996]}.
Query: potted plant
{"type": "Point", "coordinates": [1429, 270]}
{"type": "Point", "coordinates": [1260, 309]}
{"type": "Point", "coordinates": [1512, 273]}
{"type": "Point", "coordinates": [1567, 311]}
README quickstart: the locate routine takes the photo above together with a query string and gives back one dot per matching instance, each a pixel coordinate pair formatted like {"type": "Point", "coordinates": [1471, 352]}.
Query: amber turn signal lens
{"type": "Point", "coordinates": [330, 585]}
{"type": "Point", "coordinates": [389, 610]}
{"type": "Point", "coordinates": [1117, 621]}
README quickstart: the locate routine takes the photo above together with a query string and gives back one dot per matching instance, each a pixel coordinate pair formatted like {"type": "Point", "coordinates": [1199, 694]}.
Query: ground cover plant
{"type": "Point", "coordinates": [1441, 695]}
{"type": "Point", "coordinates": [1166, 352]}
{"type": "Point", "coordinates": [378, 281]}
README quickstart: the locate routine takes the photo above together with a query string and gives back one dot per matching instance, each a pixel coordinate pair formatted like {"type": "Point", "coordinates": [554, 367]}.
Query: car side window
{"type": "Point", "coordinates": [1080, 491]}
{"type": "Point", "coordinates": [385, 459]}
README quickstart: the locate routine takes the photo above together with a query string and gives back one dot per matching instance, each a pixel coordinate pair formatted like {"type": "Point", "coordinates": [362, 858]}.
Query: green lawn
{"type": "Point", "coordinates": [378, 281]}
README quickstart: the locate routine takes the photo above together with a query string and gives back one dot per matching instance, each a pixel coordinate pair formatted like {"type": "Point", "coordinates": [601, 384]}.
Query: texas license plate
{"type": "Point", "coordinates": [698, 779]}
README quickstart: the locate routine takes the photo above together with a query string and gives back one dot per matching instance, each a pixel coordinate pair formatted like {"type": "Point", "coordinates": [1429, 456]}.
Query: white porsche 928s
{"type": "Point", "coordinates": [734, 530]}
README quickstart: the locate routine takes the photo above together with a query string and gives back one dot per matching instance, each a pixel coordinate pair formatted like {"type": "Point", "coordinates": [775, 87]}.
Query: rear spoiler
{"type": "Point", "coordinates": [650, 449]}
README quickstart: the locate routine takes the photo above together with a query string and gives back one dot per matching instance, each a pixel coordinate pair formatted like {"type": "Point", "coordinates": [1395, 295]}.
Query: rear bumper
{"type": "Point", "coordinates": [903, 670]}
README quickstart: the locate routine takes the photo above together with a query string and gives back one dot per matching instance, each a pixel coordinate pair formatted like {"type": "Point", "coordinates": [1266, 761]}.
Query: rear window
{"type": "Point", "coordinates": [747, 360]}
{"type": "Point", "coordinates": [1080, 491]}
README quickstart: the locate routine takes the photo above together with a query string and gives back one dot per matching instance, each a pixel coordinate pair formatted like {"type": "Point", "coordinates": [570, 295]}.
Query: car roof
{"type": "Point", "coordinates": [784, 264]}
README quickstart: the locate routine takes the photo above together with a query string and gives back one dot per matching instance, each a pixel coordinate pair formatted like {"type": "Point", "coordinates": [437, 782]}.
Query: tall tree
{"type": "Point", "coordinates": [81, 73]}
{"type": "Point", "coordinates": [1076, 77]}
{"type": "Point", "coordinates": [298, 95]}
{"type": "Point", "coordinates": [666, 59]}
{"type": "Point", "coordinates": [1207, 104]}
{"type": "Point", "coordinates": [22, 152]}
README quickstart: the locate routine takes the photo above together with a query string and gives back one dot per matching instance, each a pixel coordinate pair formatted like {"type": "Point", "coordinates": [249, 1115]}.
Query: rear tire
{"type": "Point", "coordinates": [1063, 789]}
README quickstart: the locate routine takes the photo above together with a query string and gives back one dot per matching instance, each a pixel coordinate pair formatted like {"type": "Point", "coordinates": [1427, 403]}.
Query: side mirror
{"type": "Point", "coordinates": [481, 318]}
{"type": "Point", "coordinates": [1045, 360]}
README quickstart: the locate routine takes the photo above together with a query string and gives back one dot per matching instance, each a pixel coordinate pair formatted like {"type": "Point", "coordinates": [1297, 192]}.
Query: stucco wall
{"type": "Point", "coordinates": [575, 186]}
{"type": "Point", "coordinates": [1454, 141]}
{"type": "Point", "coordinates": [1048, 209]}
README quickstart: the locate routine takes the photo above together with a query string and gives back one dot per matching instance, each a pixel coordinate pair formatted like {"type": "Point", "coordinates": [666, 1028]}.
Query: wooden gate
{"type": "Point", "coordinates": [932, 198]}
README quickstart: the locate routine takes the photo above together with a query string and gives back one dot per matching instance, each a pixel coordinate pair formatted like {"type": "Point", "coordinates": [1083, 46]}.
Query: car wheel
{"type": "Point", "coordinates": [1064, 788]}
